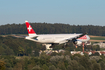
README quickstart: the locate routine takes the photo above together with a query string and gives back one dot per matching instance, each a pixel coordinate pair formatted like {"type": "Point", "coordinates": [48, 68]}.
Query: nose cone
{"type": "Point", "coordinates": [88, 38]}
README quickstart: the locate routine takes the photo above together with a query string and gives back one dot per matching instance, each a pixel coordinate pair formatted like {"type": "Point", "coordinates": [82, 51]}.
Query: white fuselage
{"type": "Point", "coordinates": [56, 38]}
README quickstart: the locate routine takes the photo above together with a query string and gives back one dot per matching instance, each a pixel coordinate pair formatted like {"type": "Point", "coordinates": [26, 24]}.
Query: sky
{"type": "Point", "coordinates": [73, 12]}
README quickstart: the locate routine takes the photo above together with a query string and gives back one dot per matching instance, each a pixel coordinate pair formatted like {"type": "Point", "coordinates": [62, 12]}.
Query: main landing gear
{"type": "Point", "coordinates": [47, 46]}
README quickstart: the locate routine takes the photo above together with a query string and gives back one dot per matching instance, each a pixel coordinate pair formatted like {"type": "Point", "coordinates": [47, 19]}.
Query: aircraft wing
{"type": "Point", "coordinates": [74, 38]}
{"type": "Point", "coordinates": [70, 39]}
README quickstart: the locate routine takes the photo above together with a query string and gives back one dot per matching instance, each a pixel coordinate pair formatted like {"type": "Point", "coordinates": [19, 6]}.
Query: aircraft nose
{"type": "Point", "coordinates": [88, 37]}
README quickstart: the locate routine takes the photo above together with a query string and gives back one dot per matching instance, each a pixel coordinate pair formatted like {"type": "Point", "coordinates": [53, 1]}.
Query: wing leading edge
{"type": "Point", "coordinates": [71, 39]}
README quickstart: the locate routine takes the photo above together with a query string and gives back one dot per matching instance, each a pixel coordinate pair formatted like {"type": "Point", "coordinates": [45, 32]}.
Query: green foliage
{"type": "Point", "coordinates": [96, 47]}
{"type": "Point", "coordinates": [67, 53]}
{"type": "Point", "coordinates": [74, 65]}
{"type": "Point", "coordinates": [52, 67]}
{"type": "Point", "coordinates": [53, 54]}
{"type": "Point", "coordinates": [96, 66]}
{"type": "Point", "coordinates": [85, 63]}
{"type": "Point", "coordinates": [47, 62]}
{"type": "Point", "coordinates": [56, 59]}
{"type": "Point", "coordinates": [97, 38]}
{"type": "Point", "coordinates": [61, 65]}
{"type": "Point", "coordinates": [47, 28]}
{"type": "Point", "coordinates": [20, 54]}
{"type": "Point", "coordinates": [88, 47]}
{"type": "Point", "coordinates": [2, 65]}
{"type": "Point", "coordinates": [69, 67]}
{"type": "Point", "coordinates": [37, 68]}
{"type": "Point", "coordinates": [97, 58]}
{"type": "Point", "coordinates": [57, 47]}
{"type": "Point", "coordinates": [95, 54]}
{"type": "Point", "coordinates": [45, 67]}
{"type": "Point", "coordinates": [86, 55]}
{"type": "Point", "coordinates": [45, 57]}
{"type": "Point", "coordinates": [102, 64]}
{"type": "Point", "coordinates": [20, 50]}
{"type": "Point", "coordinates": [15, 46]}
{"type": "Point", "coordinates": [77, 55]}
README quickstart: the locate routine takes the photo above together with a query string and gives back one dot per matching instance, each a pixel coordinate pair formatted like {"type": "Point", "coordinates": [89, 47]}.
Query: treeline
{"type": "Point", "coordinates": [47, 28]}
{"type": "Point", "coordinates": [55, 61]}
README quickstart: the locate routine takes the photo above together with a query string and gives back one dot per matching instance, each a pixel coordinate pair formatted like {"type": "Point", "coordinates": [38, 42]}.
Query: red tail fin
{"type": "Point", "coordinates": [30, 29]}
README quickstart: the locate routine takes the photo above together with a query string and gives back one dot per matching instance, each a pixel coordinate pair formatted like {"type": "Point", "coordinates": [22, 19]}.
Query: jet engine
{"type": "Point", "coordinates": [77, 42]}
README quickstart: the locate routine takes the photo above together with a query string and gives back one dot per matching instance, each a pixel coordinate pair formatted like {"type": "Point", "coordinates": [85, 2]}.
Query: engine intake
{"type": "Point", "coordinates": [77, 42]}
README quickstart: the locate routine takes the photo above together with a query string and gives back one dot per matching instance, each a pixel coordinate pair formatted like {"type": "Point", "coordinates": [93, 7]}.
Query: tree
{"type": "Point", "coordinates": [81, 68]}
{"type": "Point", "coordinates": [2, 65]}
{"type": "Point", "coordinates": [45, 57]}
{"type": "Point", "coordinates": [96, 47]}
{"type": "Point", "coordinates": [21, 51]}
{"type": "Point", "coordinates": [102, 64]}
{"type": "Point", "coordinates": [97, 58]}
{"type": "Point", "coordinates": [9, 51]}
{"type": "Point", "coordinates": [74, 64]}
{"type": "Point", "coordinates": [96, 66]}
{"type": "Point", "coordinates": [55, 59]}
{"type": "Point", "coordinates": [45, 67]}
{"type": "Point", "coordinates": [18, 66]}
{"type": "Point", "coordinates": [76, 58]}
{"type": "Point", "coordinates": [85, 63]}
{"type": "Point", "coordinates": [61, 65]}
{"type": "Point", "coordinates": [86, 55]}
{"type": "Point", "coordinates": [52, 67]}
{"type": "Point", "coordinates": [53, 54]}
{"type": "Point", "coordinates": [37, 68]}
{"type": "Point", "coordinates": [69, 67]}
{"type": "Point", "coordinates": [2, 50]}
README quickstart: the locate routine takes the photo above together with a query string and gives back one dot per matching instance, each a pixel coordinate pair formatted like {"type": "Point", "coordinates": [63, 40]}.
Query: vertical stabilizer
{"type": "Point", "coordinates": [30, 30]}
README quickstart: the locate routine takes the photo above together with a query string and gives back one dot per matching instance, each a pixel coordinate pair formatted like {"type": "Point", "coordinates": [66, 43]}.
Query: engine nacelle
{"type": "Point", "coordinates": [77, 42]}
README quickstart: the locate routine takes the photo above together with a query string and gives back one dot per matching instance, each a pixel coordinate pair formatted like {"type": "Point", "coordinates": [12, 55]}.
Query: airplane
{"type": "Point", "coordinates": [49, 40]}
